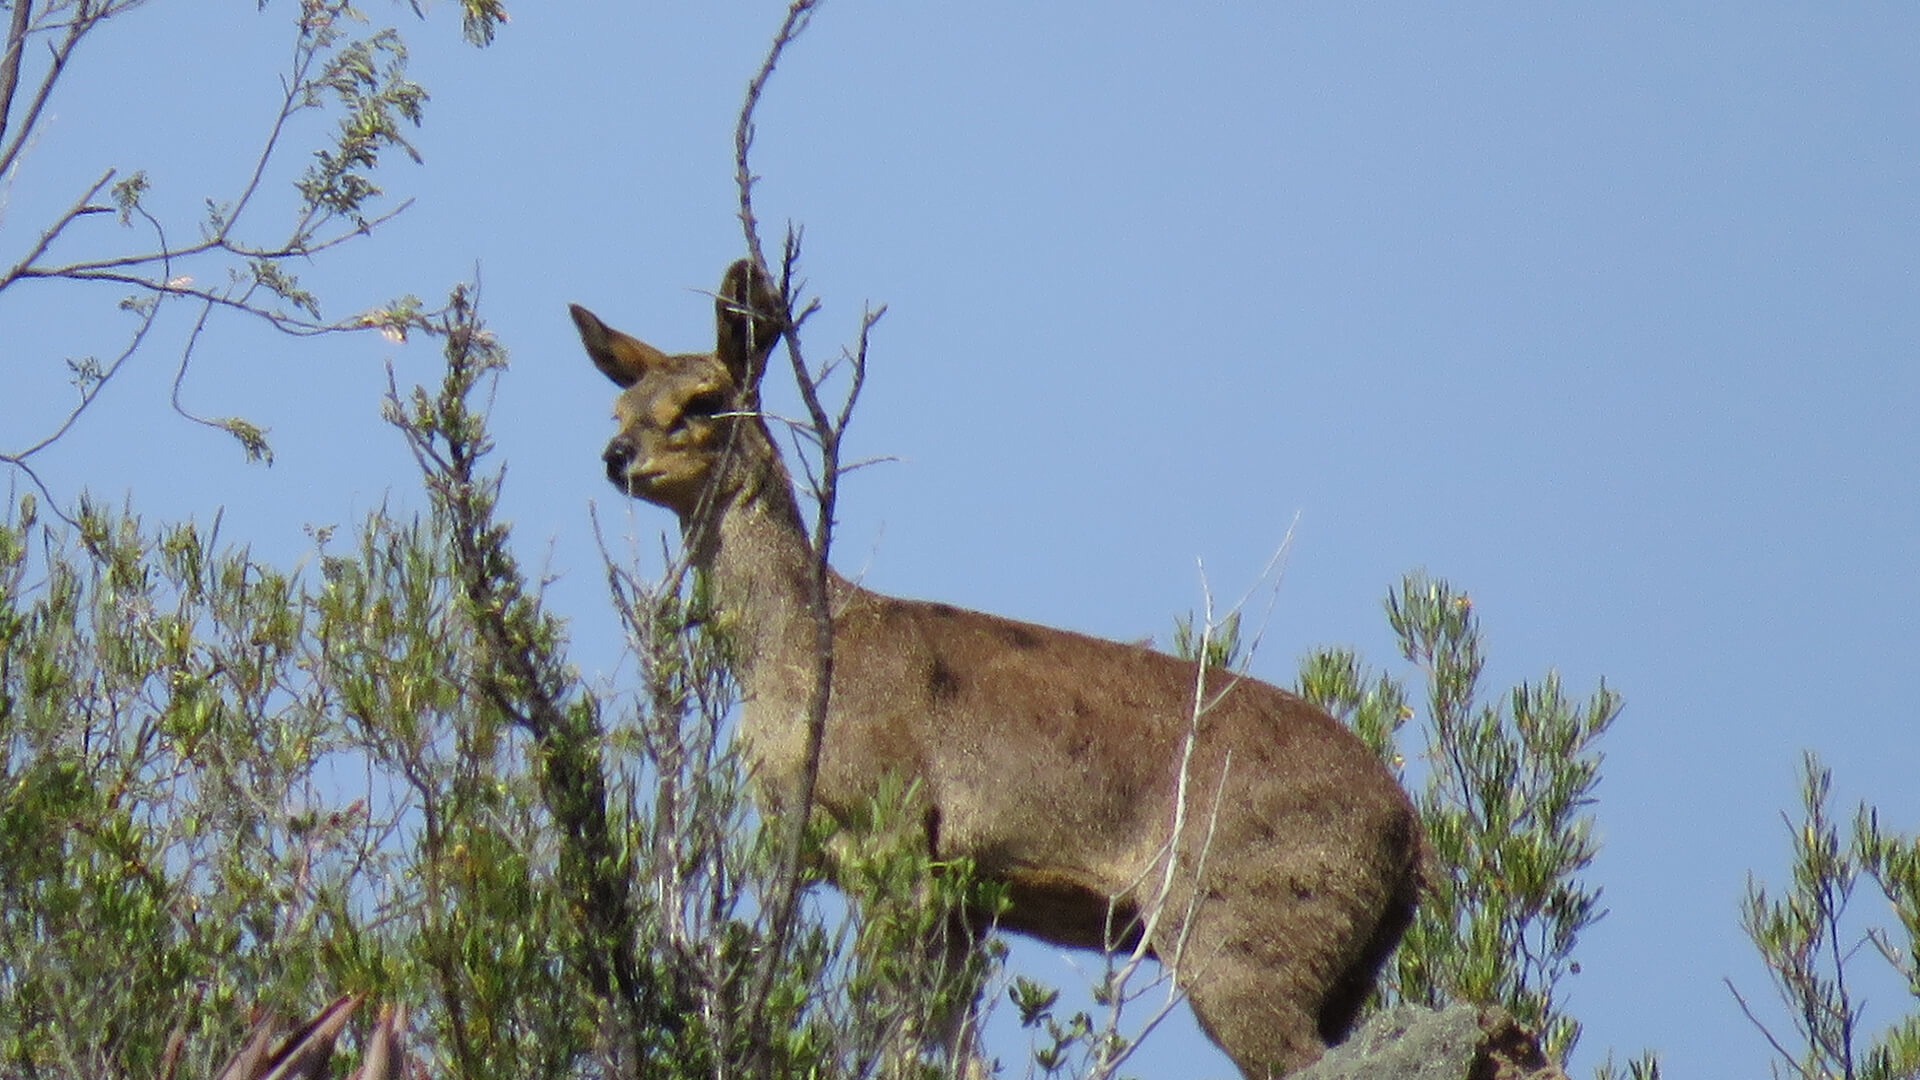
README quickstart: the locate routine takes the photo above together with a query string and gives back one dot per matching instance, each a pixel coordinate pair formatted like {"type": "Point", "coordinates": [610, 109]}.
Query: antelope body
{"type": "Point", "coordinates": [1051, 759]}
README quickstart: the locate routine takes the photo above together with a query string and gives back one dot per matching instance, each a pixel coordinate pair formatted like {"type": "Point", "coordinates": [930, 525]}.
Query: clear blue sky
{"type": "Point", "coordinates": [1608, 315]}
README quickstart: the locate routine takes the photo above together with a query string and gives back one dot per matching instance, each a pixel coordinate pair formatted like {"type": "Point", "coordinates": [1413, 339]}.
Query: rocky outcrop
{"type": "Point", "coordinates": [1456, 1043]}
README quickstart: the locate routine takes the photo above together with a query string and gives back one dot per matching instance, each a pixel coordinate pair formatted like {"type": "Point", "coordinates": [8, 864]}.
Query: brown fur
{"type": "Point", "coordinates": [1050, 758]}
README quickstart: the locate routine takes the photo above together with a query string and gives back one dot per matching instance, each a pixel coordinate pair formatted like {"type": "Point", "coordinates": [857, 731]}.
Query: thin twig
{"type": "Point", "coordinates": [180, 374]}
{"type": "Point", "coordinates": [1111, 1049]}
{"type": "Point", "coordinates": [1765, 1033]}
{"type": "Point", "coordinates": [305, 48]}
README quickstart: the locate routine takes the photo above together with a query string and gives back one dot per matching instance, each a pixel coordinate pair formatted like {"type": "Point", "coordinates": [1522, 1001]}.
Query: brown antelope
{"type": "Point", "coordinates": [1051, 759]}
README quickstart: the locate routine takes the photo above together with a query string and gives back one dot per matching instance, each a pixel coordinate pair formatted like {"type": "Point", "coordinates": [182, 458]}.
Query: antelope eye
{"type": "Point", "coordinates": [705, 406]}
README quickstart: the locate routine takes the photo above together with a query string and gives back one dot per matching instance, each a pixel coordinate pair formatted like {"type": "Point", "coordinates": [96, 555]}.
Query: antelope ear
{"type": "Point", "coordinates": [748, 315]}
{"type": "Point", "coordinates": [620, 357]}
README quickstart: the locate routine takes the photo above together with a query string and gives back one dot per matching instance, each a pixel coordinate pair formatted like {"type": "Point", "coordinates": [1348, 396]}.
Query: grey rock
{"type": "Point", "coordinates": [1459, 1042]}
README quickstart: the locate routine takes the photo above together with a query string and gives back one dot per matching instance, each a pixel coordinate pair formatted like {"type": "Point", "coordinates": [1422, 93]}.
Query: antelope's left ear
{"type": "Point", "coordinates": [620, 357]}
{"type": "Point", "coordinates": [748, 316]}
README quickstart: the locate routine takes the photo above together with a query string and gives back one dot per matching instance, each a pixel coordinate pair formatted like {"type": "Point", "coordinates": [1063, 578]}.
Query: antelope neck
{"type": "Point", "coordinates": [759, 562]}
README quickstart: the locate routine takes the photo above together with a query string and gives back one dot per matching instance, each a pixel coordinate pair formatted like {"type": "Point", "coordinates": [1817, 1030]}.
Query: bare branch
{"type": "Point", "coordinates": [81, 207]}
{"type": "Point", "coordinates": [304, 52]}
{"type": "Point", "coordinates": [294, 248]}
{"type": "Point", "coordinates": [1767, 1034]}
{"type": "Point", "coordinates": [252, 438]}
{"type": "Point", "coordinates": [56, 63]}
{"type": "Point", "coordinates": [799, 14]}
{"type": "Point", "coordinates": [91, 391]}
{"type": "Point", "coordinates": [45, 493]}
{"type": "Point", "coordinates": [180, 287]}
{"type": "Point", "coordinates": [826, 432]}
{"type": "Point", "coordinates": [10, 63]}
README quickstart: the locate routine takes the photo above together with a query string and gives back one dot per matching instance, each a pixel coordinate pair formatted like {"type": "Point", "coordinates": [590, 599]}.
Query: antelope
{"type": "Point", "coordinates": [1051, 759]}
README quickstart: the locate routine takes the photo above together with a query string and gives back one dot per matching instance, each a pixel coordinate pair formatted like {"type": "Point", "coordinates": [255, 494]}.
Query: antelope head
{"type": "Point", "coordinates": [678, 412]}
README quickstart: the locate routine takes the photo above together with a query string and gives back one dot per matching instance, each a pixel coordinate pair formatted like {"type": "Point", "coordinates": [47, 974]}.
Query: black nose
{"type": "Point", "coordinates": [618, 456]}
